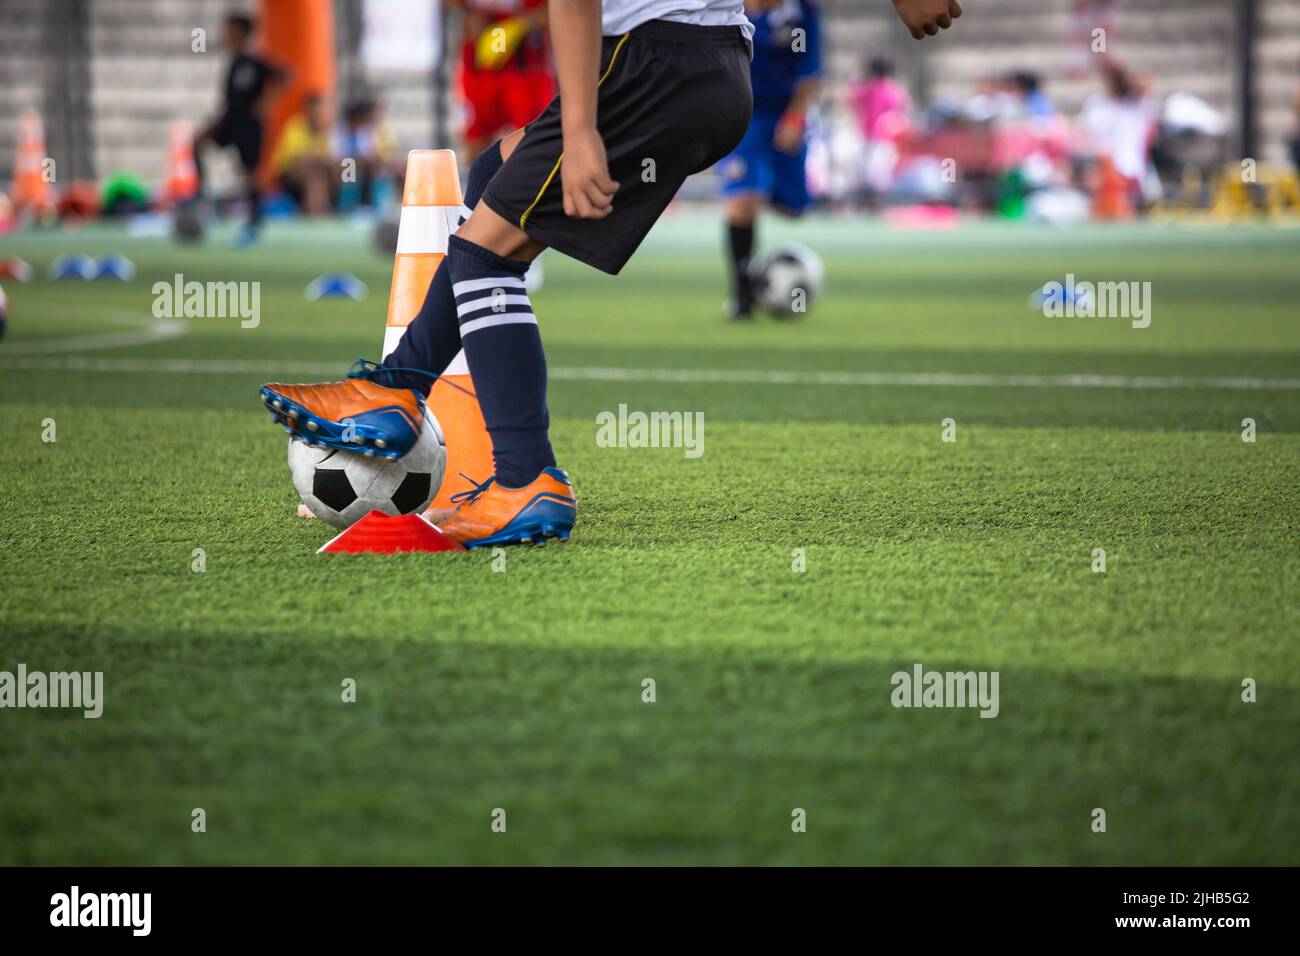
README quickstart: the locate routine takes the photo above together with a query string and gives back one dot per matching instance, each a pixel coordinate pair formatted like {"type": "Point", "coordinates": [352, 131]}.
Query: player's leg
{"type": "Point", "coordinates": [789, 193]}
{"type": "Point", "coordinates": [487, 260]}
{"type": "Point", "coordinates": [219, 134]}
{"type": "Point", "coordinates": [248, 140]}
{"type": "Point", "coordinates": [201, 140]}
{"type": "Point", "coordinates": [680, 99]}
{"type": "Point", "coordinates": [673, 100]}
{"type": "Point", "coordinates": [527, 498]}
{"type": "Point", "coordinates": [314, 173]}
{"type": "Point", "coordinates": [383, 401]}
{"type": "Point", "coordinates": [432, 339]}
{"type": "Point", "coordinates": [746, 179]}
{"type": "Point", "coordinates": [742, 215]}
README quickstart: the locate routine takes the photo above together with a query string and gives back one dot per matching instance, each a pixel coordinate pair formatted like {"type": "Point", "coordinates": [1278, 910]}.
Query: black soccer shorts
{"type": "Point", "coordinates": [673, 99]}
{"type": "Point", "coordinates": [245, 134]}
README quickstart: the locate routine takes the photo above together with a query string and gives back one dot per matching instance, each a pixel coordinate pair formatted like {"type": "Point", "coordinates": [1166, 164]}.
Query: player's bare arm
{"type": "Point", "coordinates": [584, 172]}
{"type": "Point", "coordinates": [790, 131]}
{"type": "Point", "coordinates": [276, 84]}
{"type": "Point", "coordinates": [927, 17]}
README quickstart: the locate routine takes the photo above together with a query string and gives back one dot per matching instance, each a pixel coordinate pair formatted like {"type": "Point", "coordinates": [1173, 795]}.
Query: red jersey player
{"type": "Point", "coordinates": [505, 69]}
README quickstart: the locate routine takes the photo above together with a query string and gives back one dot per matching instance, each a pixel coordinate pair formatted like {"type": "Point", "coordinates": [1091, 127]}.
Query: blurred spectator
{"type": "Point", "coordinates": [1026, 87]}
{"type": "Point", "coordinates": [1118, 123]}
{"type": "Point", "coordinates": [882, 105]}
{"type": "Point", "coordinates": [303, 162]}
{"type": "Point", "coordinates": [505, 69]}
{"type": "Point", "coordinates": [881, 102]}
{"type": "Point", "coordinates": [364, 138]}
{"type": "Point", "coordinates": [992, 101]}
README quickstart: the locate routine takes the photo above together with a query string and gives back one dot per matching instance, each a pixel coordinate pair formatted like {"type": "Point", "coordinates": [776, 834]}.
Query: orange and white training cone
{"type": "Point", "coordinates": [182, 173]}
{"type": "Point", "coordinates": [32, 191]}
{"type": "Point", "coordinates": [431, 205]}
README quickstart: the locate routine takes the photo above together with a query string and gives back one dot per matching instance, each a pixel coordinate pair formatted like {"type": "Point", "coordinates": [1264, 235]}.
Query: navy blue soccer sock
{"type": "Point", "coordinates": [504, 349]}
{"type": "Point", "coordinates": [433, 337]}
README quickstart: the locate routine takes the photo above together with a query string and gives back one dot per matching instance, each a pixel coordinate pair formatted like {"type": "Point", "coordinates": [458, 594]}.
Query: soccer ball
{"type": "Point", "coordinates": [341, 487]}
{"type": "Point", "coordinates": [787, 279]}
{"type": "Point", "coordinates": [187, 226]}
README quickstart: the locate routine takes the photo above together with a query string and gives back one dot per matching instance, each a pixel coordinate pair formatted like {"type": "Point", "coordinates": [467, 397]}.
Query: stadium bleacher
{"type": "Point", "coordinates": [144, 73]}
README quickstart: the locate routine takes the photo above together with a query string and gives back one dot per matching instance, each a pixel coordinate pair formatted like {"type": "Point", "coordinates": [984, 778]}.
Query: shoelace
{"type": "Point", "coordinates": [471, 496]}
{"type": "Point", "coordinates": [373, 371]}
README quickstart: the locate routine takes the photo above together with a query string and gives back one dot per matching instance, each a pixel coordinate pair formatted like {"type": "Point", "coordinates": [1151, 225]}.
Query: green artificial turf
{"type": "Point", "coordinates": [522, 688]}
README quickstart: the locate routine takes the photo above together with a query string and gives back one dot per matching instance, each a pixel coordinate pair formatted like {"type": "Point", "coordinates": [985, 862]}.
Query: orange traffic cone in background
{"type": "Point", "coordinates": [430, 213]}
{"type": "Point", "coordinates": [182, 175]}
{"type": "Point", "coordinates": [1111, 199]}
{"type": "Point", "coordinates": [32, 192]}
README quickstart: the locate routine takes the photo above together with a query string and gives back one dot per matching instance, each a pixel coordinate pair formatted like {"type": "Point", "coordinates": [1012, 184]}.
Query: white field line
{"type": "Point", "coordinates": [326, 371]}
{"type": "Point", "coordinates": [147, 331]}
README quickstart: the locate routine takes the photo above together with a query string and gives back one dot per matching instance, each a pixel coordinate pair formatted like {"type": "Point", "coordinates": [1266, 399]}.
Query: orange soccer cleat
{"type": "Point", "coordinates": [357, 414]}
{"type": "Point", "coordinates": [493, 514]}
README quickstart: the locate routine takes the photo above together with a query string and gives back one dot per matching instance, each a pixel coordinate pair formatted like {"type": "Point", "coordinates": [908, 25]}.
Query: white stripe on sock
{"type": "Point", "coordinates": [488, 321]}
{"type": "Point", "coordinates": [492, 282]}
{"type": "Point", "coordinates": [494, 301]}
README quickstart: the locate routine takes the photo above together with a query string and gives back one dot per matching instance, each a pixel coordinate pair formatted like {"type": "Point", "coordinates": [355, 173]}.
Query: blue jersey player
{"type": "Point", "coordinates": [768, 165]}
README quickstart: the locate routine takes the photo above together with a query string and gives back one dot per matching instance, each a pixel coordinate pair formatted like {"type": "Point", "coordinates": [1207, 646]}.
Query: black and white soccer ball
{"type": "Point", "coordinates": [341, 487]}
{"type": "Point", "coordinates": [787, 279]}
{"type": "Point", "coordinates": [187, 225]}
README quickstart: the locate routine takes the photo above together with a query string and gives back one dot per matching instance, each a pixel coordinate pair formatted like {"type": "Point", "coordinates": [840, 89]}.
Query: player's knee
{"type": "Point", "coordinates": [481, 171]}
{"type": "Point", "coordinates": [488, 230]}
{"type": "Point", "coordinates": [742, 211]}
{"type": "Point", "coordinates": [506, 145]}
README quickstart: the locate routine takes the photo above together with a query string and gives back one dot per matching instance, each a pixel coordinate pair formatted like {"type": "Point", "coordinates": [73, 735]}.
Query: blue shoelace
{"type": "Point", "coordinates": [373, 371]}
{"type": "Point", "coordinates": [471, 496]}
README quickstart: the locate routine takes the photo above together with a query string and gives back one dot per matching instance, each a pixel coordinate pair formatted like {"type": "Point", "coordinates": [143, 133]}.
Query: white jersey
{"type": "Point", "coordinates": [623, 15]}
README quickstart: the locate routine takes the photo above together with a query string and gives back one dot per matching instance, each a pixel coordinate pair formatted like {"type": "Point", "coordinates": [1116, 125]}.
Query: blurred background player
{"type": "Point", "coordinates": [878, 99]}
{"type": "Point", "coordinates": [505, 70]}
{"type": "Point", "coordinates": [882, 106]}
{"type": "Point", "coordinates": [250, 82]}
{"type": "Point", "coordinates": [1119, 125]}
{"type": "Point", "coordinates": [304, 165]}
{"type": "Point", "coordinates": [769, 164]}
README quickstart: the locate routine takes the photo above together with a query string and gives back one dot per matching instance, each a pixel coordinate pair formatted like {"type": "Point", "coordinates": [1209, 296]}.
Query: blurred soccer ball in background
{"type": "Point", "coordinates": [787, 279]}
{"type": "Point", "coordinates": [187, 225]}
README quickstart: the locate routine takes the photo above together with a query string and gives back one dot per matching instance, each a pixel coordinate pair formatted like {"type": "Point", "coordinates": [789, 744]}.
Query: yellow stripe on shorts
{"type": "Point", "coordinates": [556, 168]}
